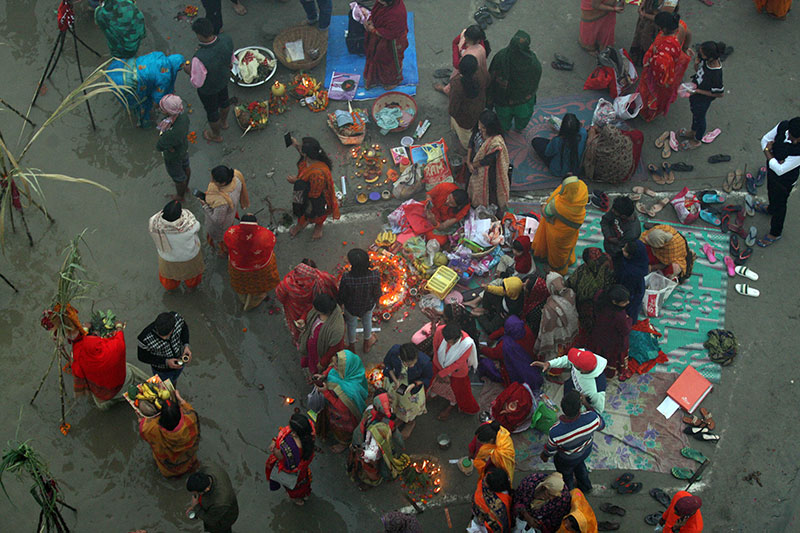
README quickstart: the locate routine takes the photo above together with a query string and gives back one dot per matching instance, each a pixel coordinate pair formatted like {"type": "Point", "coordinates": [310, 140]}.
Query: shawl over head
{"type": "Point", "coordinates": [160, 228]}
{"type": "Point", "coordinates": [524, 261]}
{"type": "Point", "coordinates": [501, 454]}
{"type": "Point", "coordinates": [516, 72]}
{"type": "Point", "coordinates": [658, 237]}
{"type": "Point", "coordinates": [172, 105]}
{"type": "Point", "coordinates": [330, 334]}
{"type": "Point", "coordinates": [348, 376]}
{"type": "Point", "coordinates": [550, 487]}
{"type": "Point", "coordinates": [478, 187]}
{"type": "Point", "coordinates": [218, 195]}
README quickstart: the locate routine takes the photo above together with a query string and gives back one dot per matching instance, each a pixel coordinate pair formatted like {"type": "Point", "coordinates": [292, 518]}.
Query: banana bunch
{"type": "Point", "coordinates": [152, 394]}
{"type": "Point", "coordinates": [385, 238]}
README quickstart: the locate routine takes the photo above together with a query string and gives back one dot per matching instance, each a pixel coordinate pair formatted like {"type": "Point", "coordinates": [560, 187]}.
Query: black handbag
{"type": "Point", "coordinates": [355, 36]}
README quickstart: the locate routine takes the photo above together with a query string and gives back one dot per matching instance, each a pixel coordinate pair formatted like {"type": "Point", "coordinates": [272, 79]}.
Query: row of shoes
{"type": "Point", "coordinates": [492, 8]}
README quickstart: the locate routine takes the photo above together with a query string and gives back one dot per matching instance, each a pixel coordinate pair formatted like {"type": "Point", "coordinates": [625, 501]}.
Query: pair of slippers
{"type": "Point", "coordinates": [701, 433]}
{"type": "Point", "coordinates": [734, 181]}
{"type": "Point", "coordinates": [638, 191]}
{"type": "Point", "coordinates": [661, 497]}
{"type": "Point", "coordinates": [662, 141]}
{"type": "Point", "coordinates": [687, 474]}
{"type": "Point", "coordinates": [483, 17]}
{"type": "Point", "coordinates": [739, 254]}
{"type": "Point", "coordinates": [676, 145]}
{"type": "Point", "coordinates": [665, 176]}
{"type": "Point", "coordinates": [562, 63]}
{"type": "Point", "coordinates": [600, 200]}
{"type": "Point", "coordinates": [624, 484]}
{"type": "Point", "coordinates": [705, 420]}
{"type": "Point", "coordinates": [654, 209]}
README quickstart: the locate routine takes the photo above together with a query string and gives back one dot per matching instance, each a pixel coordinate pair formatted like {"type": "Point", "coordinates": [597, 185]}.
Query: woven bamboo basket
{"type": "Point", "coordinates": [312, 39]}
{"type": "Point", "coordinates": [395, 99]}
{"type": "Point", "coordinates": [344, 139]}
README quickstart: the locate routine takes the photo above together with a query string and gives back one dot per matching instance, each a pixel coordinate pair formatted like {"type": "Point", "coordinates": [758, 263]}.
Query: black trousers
{"type": "Point", "coordinates": [539, 145]}
{"type": "Point", "coordinates": [574, 470]}
{"type": "Point", "coordinates": [778, 189]}
{"type": "Point", "coordinates": [214, 12]}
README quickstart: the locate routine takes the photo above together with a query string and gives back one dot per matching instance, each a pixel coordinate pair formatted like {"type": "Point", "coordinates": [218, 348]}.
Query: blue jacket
{"type": "Point", "coordinates": [565, 168]}
{"type": "Point", "coordinates": [422, 371]}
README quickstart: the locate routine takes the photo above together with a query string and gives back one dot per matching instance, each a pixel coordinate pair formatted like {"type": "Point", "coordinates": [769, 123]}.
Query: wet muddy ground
{"type": "Point", "coordinates": [107, 472]}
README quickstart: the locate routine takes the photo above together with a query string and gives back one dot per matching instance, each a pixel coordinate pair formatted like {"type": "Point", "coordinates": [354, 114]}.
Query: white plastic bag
{"type": "Point", "coordinates": [687, 206]}
{"type": "Point", "coordinates": [628, 106]}
{"type": "Point", "coordinates": [658, 288]}
{"type": "Point", "coordinates": [687, 89]}
{"type": "Point", "coordinates": [603, 113]}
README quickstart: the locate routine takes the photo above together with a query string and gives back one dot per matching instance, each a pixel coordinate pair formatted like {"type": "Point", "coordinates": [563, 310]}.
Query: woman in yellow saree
{"type": "Point", "coordinates": [580, 514]}
{"type": "Point", "coordinates": [562, 217]}
{"type": "Point", "coordinates": [494, 448]}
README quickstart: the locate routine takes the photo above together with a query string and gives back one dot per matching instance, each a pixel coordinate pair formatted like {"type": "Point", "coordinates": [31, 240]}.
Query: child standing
{"type": "Point", "coordinates": [708, 77]}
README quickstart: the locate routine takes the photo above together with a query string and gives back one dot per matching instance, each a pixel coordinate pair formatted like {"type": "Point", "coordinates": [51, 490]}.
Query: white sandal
{"type": "Point", "coordinates": [747, 290]}
{"type": "Point", "coordinates": [746, 272]}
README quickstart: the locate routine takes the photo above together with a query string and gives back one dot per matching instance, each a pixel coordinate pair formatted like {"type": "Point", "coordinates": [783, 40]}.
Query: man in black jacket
{"type": "Point", "coordinates": [164, 345]}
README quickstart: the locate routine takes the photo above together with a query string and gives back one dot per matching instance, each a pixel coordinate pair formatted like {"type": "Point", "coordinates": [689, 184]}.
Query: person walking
{"type": "Point", "coordinates": [209, 71]}
{"type": "Point", "coordinates": [173, 143]}
{"type": "Point", "coordinates": [173, 436]}
{"type": "Point", "coordinates": [123, 25]}
{"type": "Point", "coordinates": [251, 261]}
{"type": "Point", "coordinates": [213, 499]}
{"type": "Point", "coordinates": [781, 146]}
{"type": "Point", "coordinates": [454, 353]}
{"type": "Point", "coordinates": [598, 22]}
{"type": "Point", "coordinates": [298, 290]}
{"type": "Point", "coordinates": [569, 441]}
{"type": "Point", "coordinates": [164, 345]}
{"type": "Point", "coordinates": [359, 291]}
{"type": "Point", "coordinates": [180, 258]}
{"type": "Point", "coordinates": [314, 195]}
{"type": "Point", "coordinates": [708, 78]}
{"type": "Point", "coordinates": [226, 193]}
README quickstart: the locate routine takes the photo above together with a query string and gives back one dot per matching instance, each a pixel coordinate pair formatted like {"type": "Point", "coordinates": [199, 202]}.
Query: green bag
{"type": "Point", "coordinates": [545, 416]}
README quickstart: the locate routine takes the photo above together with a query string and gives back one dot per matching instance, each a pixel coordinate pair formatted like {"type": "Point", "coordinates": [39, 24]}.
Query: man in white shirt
{"type": "Point", "coordinates": [781, 146]}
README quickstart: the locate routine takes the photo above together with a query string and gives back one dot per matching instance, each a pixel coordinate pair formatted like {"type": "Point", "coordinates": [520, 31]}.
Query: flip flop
{"type": "Point", "coordinates": [562, 59]}
{"type": "Point", "coordinates": [729, 265]}
{"type": "Point", "coordinates": [643, 190]}
{"type": "Point", "coordinates": [692, 420]}
{"type": "Point", "coordinates": [727, 185]}
{"type": "Point", "coordinates": [750, 205]}
{"type": "Point", "coordinates": [631, 488]}
{"type": "Point", "coordinates": [683, 473]}
{"type": "Point", "coordinates": [600, 201]}
{"type": "Point", "coordinates": [761, 207]}
{"type": "Point", "coordinates": [662, 139]}
{"type": "Point", "coordinates": [610, 508]}
{"type": "Point", "coordinates": [752, 235]}
{"type": "Point", "coordinates": [674, 143]}
{"type": "Point", "coordinates": [685, 146]}
{"type": "Point", "coordinates": [643, 209]}
{"type": "Point", "coordinates": [761, 177]}
{"type": "Point", "coordinates": [607, 526]}
{"type": "Point", "coordinates": [739, 181]}
{"type": "Point", "coordinates": [768, 241]}
{"type": "Point", "coordinates": [711, 135]}
{"type": "Point", "coordinates": [742, 257]}
{"type": "Point", "coordinates": [710, 217]}
{"type": "Point", "coordinates": [655, 174]}
{"type": "Point", "coordinates": [660, 496]}
{"type": "Point", "coordinates": [726, 219]}
{"type": "Point", "coordinates": [694, 455]}
{"type": "Point", "coordinates": [666, 151]}
{"type": "Point", "coordinates": [719, 158]}
{"type": "Point", "coordinates": [734, 245]}
{"type": "Point", "coordinates": [635, 197]}
{"type": "Point", "coordinates": [658, 206]}
{"type": "Point", "coordinates": [746, 290]}
{"type": "Point", "coordinates": [713, 199]}
{"type": "Point", "coordinates": [669, 176]}
{"type": "Point", "coordinates": [750, 183]}
{"type": "Point", "coordinates": [681, 167]}
{"type": "Point", "coordinates": [706, 437]}
{"type": "Point", "coordinates": [505, 5]}
{"type": "Point", "coordinates": [653, 518]}
{"type": "Point", "coordinates": [558, 65]}
{"type": "Point", "coordinates": [683, 133]}
{"type": "Point", "coordinates": [709, 251]}
{"type": "Point", "coordinates": [442, 73]}
{"type": "Point", "coordinates": [708, 418]}
{"type": "Point", "coordinates": [622, 480]}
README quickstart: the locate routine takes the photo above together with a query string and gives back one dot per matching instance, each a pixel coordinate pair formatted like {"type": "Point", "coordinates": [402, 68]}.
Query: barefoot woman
{"type": "Point", "coordinates": [314, 195]}
{"type": "Point", "coordinates": [385, 44]}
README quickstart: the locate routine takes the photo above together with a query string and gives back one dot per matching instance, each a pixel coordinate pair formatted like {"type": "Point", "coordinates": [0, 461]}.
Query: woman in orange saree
{"type": "Point", "coordinates": [774, 8]}
{"type": "Point", "coordinates": [314, 196]}
{"type": "Point", "coordinates": [664, 66]}
{"type": "Point", "coordinates": [173, 436]}
{"type": "Point", "coordinates": [491, 503]}
{"type": "Point", "coordinates": [562, 217]}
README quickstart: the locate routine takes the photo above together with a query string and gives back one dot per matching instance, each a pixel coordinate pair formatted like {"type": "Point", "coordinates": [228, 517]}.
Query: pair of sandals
{"type": "Point", "coordinates": [665, 176]}
{"type": "Point", "coordinates": [600, 200]}
{"type": "Point", "coordinates": [734, 181]}
{"type": "Point", "coordinates": [677, 145]}
{"type": "Point", "coordinates": [624, 484]}
{"type": "Point", "coordinates": [654, 209]}
{"type": "Point", "coordinates": [562, 63]}
{"type": "Point", "coordinates": [483, 17]}
{"type": "Point", "coordinates": [705, 420]}
{"type": "Point", "coordinates": [739, 254]}
{"type": "Point", "coordinates": [686, 474]}
{"type": "Point", "coordinates": [662, 141]}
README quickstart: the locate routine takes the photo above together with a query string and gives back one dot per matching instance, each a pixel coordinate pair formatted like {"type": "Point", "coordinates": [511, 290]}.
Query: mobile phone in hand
{"type": "Point", "coordinates": [402, 389]}
{"type": "Point", "coordinates": [199, 194]}
{"type": "Point", "coordinates": [287, 139]}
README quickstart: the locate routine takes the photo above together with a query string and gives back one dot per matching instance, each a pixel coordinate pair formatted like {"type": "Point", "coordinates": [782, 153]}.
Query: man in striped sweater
{"type": "Point", "coordinates": [570, 441]}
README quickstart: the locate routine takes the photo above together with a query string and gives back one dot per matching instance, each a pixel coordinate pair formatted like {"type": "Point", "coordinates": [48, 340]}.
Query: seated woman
{"type": "Point", "coordinates": [492, 447]}
{"type": "Point", "coordinates": [595, 274]}
{"type": "Point", "coordinates": [520, 263]}
{"type": "Point", "coordinates": [372, 457]}
{"type": "Point", "coordinates": [581, 516]}
{"type": "Point", "coordinates": [344, 385]}
{"type": "Point", "coordinates": [491, 504]}
{"type": "Point", "coordinates": [173, 436]}
{"type": "Point", "coordinates": [667, 251]}
{"type": "Point", "coordinates": [292, 452]}
{"type": "Point", "coordinates": [564, 152]}
{"type": "Point", "coordinates": [510, 361]}
{"type": "Point", "coordinates": [385, 44]}
{"type": "Point", "coordinates": [445, 206]}
{"type": "Point", "coordinates": [321, 334]}
{"type": "Point", "coordinates": [611, 330]}
{"type": "Point", "coordinates": [559, 325]}
{"type": "Point", "coordinates": [611, 155]}
{"type": "Point", "coordinates": [562, 217]}
{"type": "Point", "coordinates": [513, 407]}
{"type": "Point", "coordinates": [500, 300]}
{"type": "Point", "coordinates": [542, 500]}
{"type": "Point", "coordinates": [407, 373]}
{"type": "Point", "coordinates": [454, 354]}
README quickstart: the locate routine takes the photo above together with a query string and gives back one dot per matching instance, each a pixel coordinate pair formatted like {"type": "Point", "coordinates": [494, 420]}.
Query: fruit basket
{"type": "Point", "coordinates": [147, 398]}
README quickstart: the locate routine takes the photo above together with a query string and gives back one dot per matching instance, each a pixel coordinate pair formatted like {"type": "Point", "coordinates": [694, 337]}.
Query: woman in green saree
{"type": "Point", "coordinates": [344, 385]}
{"type": "Point", "coordinates": [515, 72]}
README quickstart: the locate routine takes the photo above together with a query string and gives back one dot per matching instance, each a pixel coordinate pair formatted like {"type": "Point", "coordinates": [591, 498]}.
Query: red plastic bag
{"type": "Point", "coordinates": [601, 78]}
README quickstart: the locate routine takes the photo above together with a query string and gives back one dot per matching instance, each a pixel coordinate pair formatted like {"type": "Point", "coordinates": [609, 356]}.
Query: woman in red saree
{"type": "Point", "coordinates": [664, 66]}
{"type": "Point", "coordinates": [314, 196]}
{"type": "Point", "coordinates": [344, 385]}
{"type": "Point", "coordinates": [292, 452]}
{"type": "Point", "coordinates": [251, 261]}
{"type": "Point", "coordinates": [385, 44]}
{"type": "Point", "coordinates": [491, 503]}
{"type": "Point", "coordinates": [297, 290]}
{"type": "Point", "coordinates": [454, 354]}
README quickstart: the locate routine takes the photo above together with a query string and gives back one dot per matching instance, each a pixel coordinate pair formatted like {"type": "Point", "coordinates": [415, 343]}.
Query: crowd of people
{"type": "Point", "coordinates": [533, 321]}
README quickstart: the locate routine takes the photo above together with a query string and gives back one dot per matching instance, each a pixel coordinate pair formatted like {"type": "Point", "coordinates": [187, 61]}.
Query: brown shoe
{"type": "Point", "coordinates": [369, 343]}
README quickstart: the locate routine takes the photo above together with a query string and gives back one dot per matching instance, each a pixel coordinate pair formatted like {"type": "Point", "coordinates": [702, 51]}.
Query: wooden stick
{"type": "Point", "coordinates": [44, 76]}
{"type": "Point", "coordinates": [416, 507]}
{"type": "Point", "coordinates": [23, 117]}
{"type": "Point", "coordinates": [92, 50]}
{"type": "Point", "coordinates": [80, 73]}
{"type": "Point", "coordinates": [9, 283]}
{"type": "Point", "coordinates": [47, 373]}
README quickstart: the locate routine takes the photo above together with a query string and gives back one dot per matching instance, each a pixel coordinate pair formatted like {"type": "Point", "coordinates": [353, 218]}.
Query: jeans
{"type": "Point", "coordinates": [778, 190]}
{"type": "Point", "coordinates": [325, 10]}
{"type": "Point", "coordinates": [171, 374]}
{"type": "Point", "coordinates": [699, 108]}
{"type": "Point", "coordinates": [352, 323]}
{"type": "Point", "coordinates": [574, 467]}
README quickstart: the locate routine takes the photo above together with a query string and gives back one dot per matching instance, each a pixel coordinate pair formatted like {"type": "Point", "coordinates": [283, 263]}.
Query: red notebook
{"type": "Point", "coordinates": [689, 389]}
